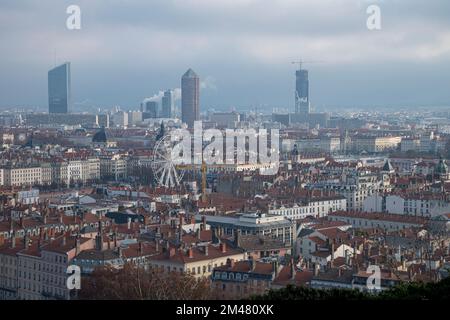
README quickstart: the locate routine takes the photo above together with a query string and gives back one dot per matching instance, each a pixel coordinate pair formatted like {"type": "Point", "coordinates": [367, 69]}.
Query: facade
{"type": "Point", "coordinates": [151, 109]}
{"type": "Point", "coordinates": [120, 119]}
{"type": "Point", "coordinates": [323, 144]}
{"type": "Point", "coordinates": [190, 98]}
{"type": "Point", "coordinates": [239, 280]}
{"type": "Point", "coordinates": [198, 261]}
{"type": "Point", "coordinates": [134, 117]}
{"type": "Point", "coordinates": [357, 187]}
{"type": "Point", "coordinates": [167, 104]}
{"type": "Point", "coordinates": [385, 221]}
{"type": "Point", "coordinates": [375, 144]}
{"type": "Point", "coordinates": [316, 208]}
{"type": "Point", "coordinates": [59, 89]}
{"type": "Point", "coordinates": [225, 119]}
{"type": "Point", "coordinates": [421, 204]}
{"type": "Point", "coordinates": [276, 227]}
{"type": "Point", "coordinates": [16, 176]}
{"type": "Point", "coordinates": [102, 120]}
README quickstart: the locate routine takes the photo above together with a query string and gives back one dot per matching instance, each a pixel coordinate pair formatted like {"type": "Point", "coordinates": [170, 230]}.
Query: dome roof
{"type": "Point", "coordinates": [388, 166]}
{"type": "Point", "coordinates": [100, 136]}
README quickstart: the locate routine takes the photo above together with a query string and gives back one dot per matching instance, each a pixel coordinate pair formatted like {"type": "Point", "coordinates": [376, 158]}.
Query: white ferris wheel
{"type": "Point", "coordinates": [164, 167]}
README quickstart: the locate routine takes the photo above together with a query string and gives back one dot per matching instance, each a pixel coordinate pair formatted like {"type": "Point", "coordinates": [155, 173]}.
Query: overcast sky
{"type": "Point", "coordinates": [242, 50]}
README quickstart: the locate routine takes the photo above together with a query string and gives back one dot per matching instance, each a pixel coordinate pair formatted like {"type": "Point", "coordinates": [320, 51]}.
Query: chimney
{"type": "Point", "coordinates": [181, 221]}
{"type": "Point", "coordinates": [26, 241]}
{"type": "Point", "coordinates": [275, 268]}
{"type": "Point", "coordinates": [13, 240]}
{"type": "Point", "coordinates": [98, 242]}
{"type": "Point", "coordinates": [316, 269]}
{"type": "Point", "coordinates": [237, 238]}
{"type": "Point", "coordinates": [332, 254]}
{"type": "Point", "coordinates": [206, 250]}
{"type": "Point", "coordinates": [77, 245]}
{"type": "Point", "coordinates": [347, 258]}
{"type": "Point", "coordinates": [230, 263]}
{"type": "Point", "coordinates": [223, 247]}
{"type": "Point", "coordinates": [64, 241]}
{"type": "Point", "coordinates": [252, 264]}
{"type": "Point", "coordinates": [115, 240]}
{"type": "Point", "coordinates": [129, 223]}
{"type": "Point", "coordinates": [204, 222]}
{"type": "Point", "coordinates": [191, 253]}
{"type": "Point", "coordinates": [157, 246]}
{"type": "Point", "coordinates": [339, 272]}
{"type": "Point", "coordinates": [140, 248]}
{"type": "Point", "coordinates": [292, 269]}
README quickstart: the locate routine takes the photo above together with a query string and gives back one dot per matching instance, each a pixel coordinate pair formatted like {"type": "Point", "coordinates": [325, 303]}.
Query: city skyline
{"type": "Point", "coordinates": [360, 66]}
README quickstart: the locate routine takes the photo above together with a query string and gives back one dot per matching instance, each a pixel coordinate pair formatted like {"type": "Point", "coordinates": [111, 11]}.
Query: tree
{"type": "Point", "coordinates": [135, 283]}
{"type": "Point", "coordinates": [405, 291]}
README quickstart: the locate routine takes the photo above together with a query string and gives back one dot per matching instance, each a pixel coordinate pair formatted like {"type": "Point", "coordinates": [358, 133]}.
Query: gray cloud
{"type": "Point", "coordinates": [131, 49]}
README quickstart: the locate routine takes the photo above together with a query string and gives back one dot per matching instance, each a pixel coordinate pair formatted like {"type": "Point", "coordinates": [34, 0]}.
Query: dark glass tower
{"type": "Point", "coordinates": [59, 89]}
{"type": "Point", "coordinates": [167, 104]}
{"type": "Point", "coordinates": [302, 105]}
{"type": "Point", "coordinates": [190, 98]}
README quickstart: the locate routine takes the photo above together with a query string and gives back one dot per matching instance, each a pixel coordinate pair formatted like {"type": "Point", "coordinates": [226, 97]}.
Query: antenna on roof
{"type": "Point", "coordinates": [54, 57]}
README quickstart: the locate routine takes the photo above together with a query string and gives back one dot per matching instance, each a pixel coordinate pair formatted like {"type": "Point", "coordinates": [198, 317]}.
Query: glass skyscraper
{"type": "Point", "coordinates": [59, 89]}
{"type": "Point", "coordinates": [302, 105]}
{"type": "Point", "coordinates": [167, 104]}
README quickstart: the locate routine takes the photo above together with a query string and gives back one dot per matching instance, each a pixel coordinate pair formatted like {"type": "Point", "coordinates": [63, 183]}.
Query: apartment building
{"type": "Point", "coordinates": [423, 204]}
{"type": "Point", "coordinates": [385, 221]}
{"type": "Point", "coordinates": [375, 144]}
{"type": "Point", "coordinates": [198, 261]}
{"type": "Point", "coordinates": [315, 207]}
{"type": "Point", "coordinates": [356, 187]}
{"type": "Point", "coordinates": [22, 175]}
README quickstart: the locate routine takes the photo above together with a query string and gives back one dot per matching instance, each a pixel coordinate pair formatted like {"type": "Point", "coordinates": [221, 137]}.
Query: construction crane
{"type": "Point", "coordinates": [204, 168]}
{"type": "Point", "coordinates": [301, 62]}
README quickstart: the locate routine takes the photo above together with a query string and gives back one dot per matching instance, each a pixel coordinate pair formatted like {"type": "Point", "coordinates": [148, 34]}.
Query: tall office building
{"type": "Point", "coordinates": [151, 108]}
{"type": "Point", "coordinates": [167, 104]}
{"type": "Point", "coordinates": [302, 105]}
{"type": "Point", "coordinates": [59, 89]}
{"type": "Point", "coordinates": [190, 96]}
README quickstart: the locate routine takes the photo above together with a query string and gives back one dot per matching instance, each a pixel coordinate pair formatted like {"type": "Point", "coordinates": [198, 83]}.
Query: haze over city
{"type": "Point", "coordinates": [242, 51]}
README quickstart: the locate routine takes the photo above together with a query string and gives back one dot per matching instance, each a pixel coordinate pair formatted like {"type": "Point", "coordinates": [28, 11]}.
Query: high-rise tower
{"type": "Point", "coordinates": [59, 89]}
{"type": "Point", "coordinates": [302, 105]}
{"type": "Point", "coordinates": [167, 104]}
{"type": "Point", "coordinates": [190, 98]}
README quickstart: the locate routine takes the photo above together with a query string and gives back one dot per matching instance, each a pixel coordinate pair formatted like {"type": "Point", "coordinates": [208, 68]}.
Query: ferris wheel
{"type": "Point", "coordinates": [164, 166]}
